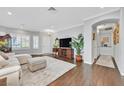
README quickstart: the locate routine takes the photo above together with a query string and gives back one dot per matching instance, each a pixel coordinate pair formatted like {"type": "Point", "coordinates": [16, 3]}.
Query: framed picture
{"type": "Point", "coordinates": [116, 34]}
{"type": "Point", "coordinates": [94, 35]}
{"type": "Point", "coordinates": [105, 41]}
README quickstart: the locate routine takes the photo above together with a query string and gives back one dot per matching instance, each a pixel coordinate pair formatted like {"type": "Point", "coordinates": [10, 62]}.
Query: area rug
{"type": "Point", "coordinates": [106, 61]}
{"type": "Point", "coordinates": [55, 68]}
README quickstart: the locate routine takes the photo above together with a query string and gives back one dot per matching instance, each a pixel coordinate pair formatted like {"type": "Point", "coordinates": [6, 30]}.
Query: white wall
{"type": "Point", "coordinates": [69, 32]}
{"type": "Point", "coordinates": [88, 57]}
{"type": "Point", "coordinates": [120, 55]}
{"type": "Point", "coordinates": [117, 54]}
{"type": "Point", "coordinates": [95, 48]}
{"type": "Point", "coordinates": [46, 42]}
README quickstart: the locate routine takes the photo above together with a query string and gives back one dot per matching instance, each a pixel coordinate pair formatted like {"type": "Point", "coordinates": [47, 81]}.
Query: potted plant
{"type": "Point", "coordinates": [56, 43]}
{"type": "Point", "coordinates": [78, 44]}
{"type": "Point", "coordinates": [56, 46]}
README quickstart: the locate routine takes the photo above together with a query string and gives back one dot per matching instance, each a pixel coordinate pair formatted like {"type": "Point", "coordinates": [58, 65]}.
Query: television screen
{"type": "Point", "coordinates": [65, 42]}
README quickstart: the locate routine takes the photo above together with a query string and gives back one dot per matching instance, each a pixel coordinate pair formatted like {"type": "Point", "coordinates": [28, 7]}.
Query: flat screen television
{"type": "Point", "coordinates": [65, 42]}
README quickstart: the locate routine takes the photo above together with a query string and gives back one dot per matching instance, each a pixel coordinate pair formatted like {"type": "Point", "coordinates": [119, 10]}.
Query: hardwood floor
{"type": "Point", "coordinates": [89, 75]}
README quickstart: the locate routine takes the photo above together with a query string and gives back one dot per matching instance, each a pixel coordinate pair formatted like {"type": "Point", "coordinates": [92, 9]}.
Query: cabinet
{"type": "Point", "coordinates": [66, 53]}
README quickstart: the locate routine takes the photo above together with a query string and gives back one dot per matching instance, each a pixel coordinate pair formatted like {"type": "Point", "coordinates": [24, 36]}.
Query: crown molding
{"type": "Point", "coordinates": [101, 14]}
{"type": "Point", "coordinates": [70, 27]}
{"type": "Point", "coordinates": [14, 28]}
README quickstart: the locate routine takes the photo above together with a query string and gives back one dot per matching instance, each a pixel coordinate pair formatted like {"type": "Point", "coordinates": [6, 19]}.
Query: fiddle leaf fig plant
{"type": "Point", "coordinates": [56, 43]}
{"type": "Point", "coordinates": [78, 43]}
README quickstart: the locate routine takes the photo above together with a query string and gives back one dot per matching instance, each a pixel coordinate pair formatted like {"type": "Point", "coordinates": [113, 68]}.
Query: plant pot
{"type": "Point", "coordinates": [78, 58]}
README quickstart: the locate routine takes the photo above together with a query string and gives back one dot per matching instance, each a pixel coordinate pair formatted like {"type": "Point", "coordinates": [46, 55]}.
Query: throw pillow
{"type": "Point", "coordinates": [3, 62]}
{"type": "Point", "coordinates": [4, 55]}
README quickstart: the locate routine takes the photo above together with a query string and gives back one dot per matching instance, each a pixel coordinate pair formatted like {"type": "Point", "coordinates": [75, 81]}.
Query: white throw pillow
{"type": "Point", "coordinates": [3, 62]}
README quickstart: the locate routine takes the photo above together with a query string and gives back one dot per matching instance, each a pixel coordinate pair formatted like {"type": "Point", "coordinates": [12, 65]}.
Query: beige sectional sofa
{"type": "Point", "coordinates": [12, 71]}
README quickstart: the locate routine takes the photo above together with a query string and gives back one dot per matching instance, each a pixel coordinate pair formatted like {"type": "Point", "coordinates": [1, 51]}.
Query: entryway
{"type": "Point", "coordinates": [103, 43]}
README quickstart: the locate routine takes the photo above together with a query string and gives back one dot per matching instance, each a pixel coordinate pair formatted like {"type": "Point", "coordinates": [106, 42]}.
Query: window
{"type": "Point", "coordinates": [35, 42]}
{"type": "Point", "coordinates": [25, 42]}
{"type": "Point", "coordinates": [20, 41]}
{"type": "Point", "coordinates": [2, 33]}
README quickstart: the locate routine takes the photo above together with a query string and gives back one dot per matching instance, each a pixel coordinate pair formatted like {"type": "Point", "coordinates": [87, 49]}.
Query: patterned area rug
{"type": "Point", "coordinates": [55, 68]}
{"type": "Point", "coordinates": [105, 61]}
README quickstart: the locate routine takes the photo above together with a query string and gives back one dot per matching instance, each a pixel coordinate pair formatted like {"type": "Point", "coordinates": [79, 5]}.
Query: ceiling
{"type": "Point", "coordinates": [39, 18]}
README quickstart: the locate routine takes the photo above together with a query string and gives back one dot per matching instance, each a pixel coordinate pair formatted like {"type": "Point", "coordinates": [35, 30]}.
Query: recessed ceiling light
{"type": "Point", "coordinates": [101, 7]}
{"type": "Point", "coordinates": [9, 13]}
{"type": "Point", "coordinates": [49, 30]}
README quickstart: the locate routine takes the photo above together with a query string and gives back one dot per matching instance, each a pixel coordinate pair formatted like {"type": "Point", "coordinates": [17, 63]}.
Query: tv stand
{"type": "Point", "coordinates": [67, 53]}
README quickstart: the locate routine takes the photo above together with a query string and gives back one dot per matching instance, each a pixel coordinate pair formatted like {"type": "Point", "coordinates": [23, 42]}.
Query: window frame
{"type": "Point", "coordinates": [21, 36]}
{"type": "Point", "coordinates": [37, 41]}
{"type": "Point", "coordinates": [2, 33]}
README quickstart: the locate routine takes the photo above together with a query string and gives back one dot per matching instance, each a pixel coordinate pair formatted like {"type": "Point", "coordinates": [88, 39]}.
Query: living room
{"type": "Point", "coordinates": [54, 48]}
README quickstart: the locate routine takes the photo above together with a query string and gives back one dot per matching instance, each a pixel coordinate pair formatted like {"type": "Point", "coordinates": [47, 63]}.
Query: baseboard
{"type": "Point", "coordinates": [95, 59]}
{"type": "Point", "coordinates": [122, 73]}
{"type": "Point", "coordinates": [116, 65]}
{"type": "Point", "coordinates": [87, 62]}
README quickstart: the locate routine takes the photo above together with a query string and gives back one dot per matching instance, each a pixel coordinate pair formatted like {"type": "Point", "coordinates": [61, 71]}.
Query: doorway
{"type": "Point", "coordinates": [103, 49]}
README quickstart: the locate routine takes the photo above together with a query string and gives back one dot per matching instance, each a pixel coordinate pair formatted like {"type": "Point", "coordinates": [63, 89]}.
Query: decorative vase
{"type": "Point", "coordinates": [78, 58]}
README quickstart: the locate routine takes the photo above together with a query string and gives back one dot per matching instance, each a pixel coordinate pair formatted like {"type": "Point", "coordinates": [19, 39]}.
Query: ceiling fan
{"type": "Point", "coordinates": [51, 9]}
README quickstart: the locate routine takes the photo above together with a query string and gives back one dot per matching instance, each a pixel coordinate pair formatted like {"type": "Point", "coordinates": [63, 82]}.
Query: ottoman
{"type": "Point", "coordinates": [36, 63]}
{"type": "Point", "coordinates": [23, 58]}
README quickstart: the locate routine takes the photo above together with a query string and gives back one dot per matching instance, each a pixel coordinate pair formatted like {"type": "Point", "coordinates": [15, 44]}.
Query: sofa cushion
{"type": "Point", "coordinates": [4, 55]}
{"type": "Point", "coordinates": [12, 71]}
{"type": "Point", "coordinates": [13, 61]}
{"type": "Point", "coordinates": [10, 55]}
{"type": "Point", "coordinates": [3, 62]}
{"type": "Point", "coordinates": [9, 70]}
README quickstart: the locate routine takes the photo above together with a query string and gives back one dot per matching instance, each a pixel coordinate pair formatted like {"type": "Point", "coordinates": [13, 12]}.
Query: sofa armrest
{"type": "Point", "coordinates": [9, 70]}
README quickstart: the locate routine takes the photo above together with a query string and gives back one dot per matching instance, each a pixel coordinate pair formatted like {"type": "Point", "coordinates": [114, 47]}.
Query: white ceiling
{"type": "Point", "coordinates": [38, 18]}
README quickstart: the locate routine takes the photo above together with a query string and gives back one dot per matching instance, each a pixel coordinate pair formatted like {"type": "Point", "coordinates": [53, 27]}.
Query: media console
{"type": "Point", "coordinates": [67, 53]}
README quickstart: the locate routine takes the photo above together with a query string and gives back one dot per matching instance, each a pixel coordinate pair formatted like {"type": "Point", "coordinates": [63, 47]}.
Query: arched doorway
{"type": "Point", "coordinates": [102, 42]}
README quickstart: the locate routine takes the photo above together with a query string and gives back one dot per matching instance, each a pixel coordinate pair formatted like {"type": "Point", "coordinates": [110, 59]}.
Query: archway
{"type": "Point", "coordinates": [102, 40]}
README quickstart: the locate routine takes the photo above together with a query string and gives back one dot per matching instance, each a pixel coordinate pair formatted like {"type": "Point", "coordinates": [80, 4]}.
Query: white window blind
{"type": "Point", "coordinates": [35, 42]}
{"type": "Point", "coordinates": [20, 41]}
